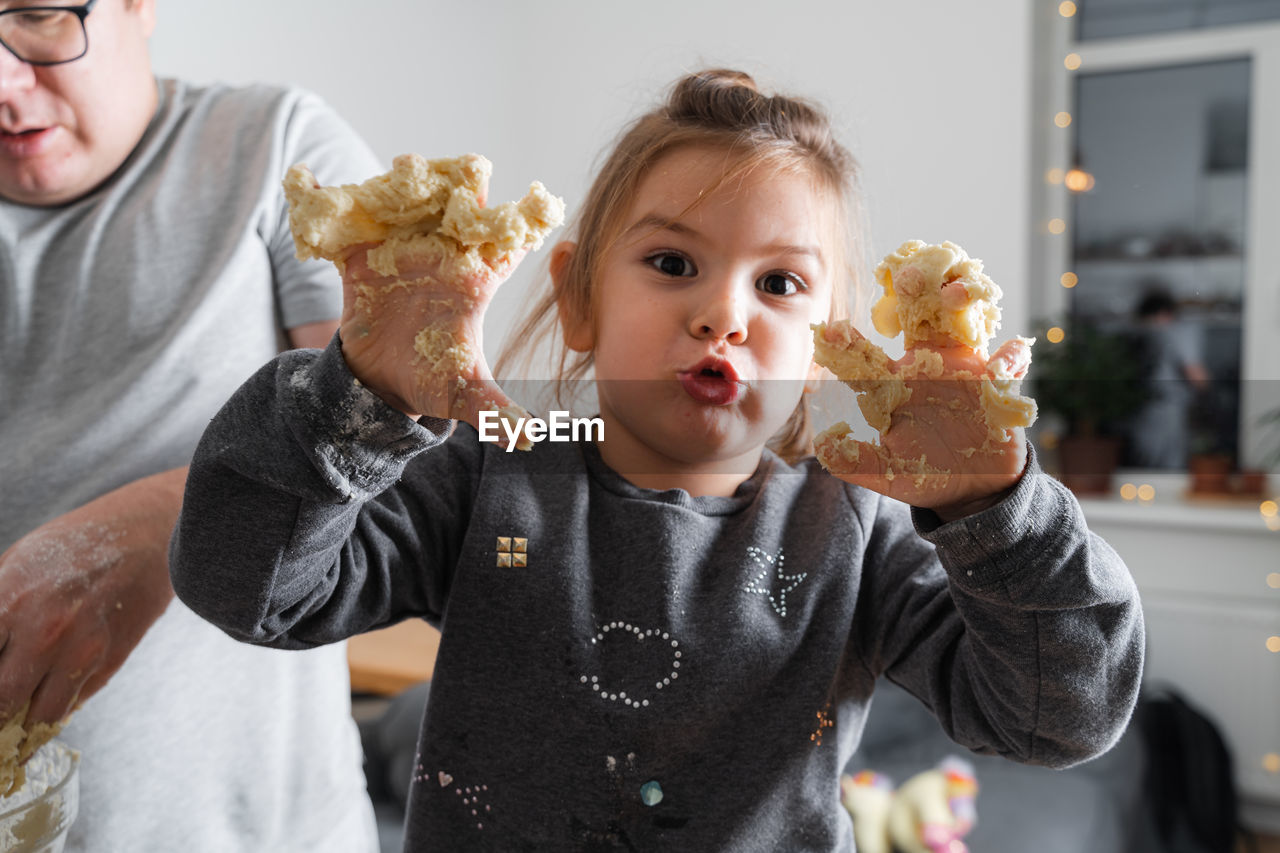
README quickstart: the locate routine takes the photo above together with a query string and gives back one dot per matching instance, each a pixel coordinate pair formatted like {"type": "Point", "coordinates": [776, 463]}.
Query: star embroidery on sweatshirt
{"type": "Point", "coordinates": [772, 580]}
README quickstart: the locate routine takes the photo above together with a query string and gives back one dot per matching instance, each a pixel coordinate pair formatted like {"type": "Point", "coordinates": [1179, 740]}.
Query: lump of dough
{"type": "Point", "coordinates": [17, 744]}
{"type": "Point", "coordinates": [936, 288]}
{"type": "Point", "coordinates": [428, 208]}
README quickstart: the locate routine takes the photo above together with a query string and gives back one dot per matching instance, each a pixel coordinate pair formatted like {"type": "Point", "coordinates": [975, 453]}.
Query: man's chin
{"type": "Point", "coordinates": [44, 184]}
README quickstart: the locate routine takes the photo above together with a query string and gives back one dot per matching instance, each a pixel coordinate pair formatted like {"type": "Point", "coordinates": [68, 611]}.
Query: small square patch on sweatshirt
{"type": "Point", "coordinates": [513, 552]}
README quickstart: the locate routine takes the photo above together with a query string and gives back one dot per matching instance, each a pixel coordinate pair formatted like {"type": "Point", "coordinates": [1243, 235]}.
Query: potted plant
{"type": "Point", "coordinates": [1091, 380]}
{"type": "Point", "coordinates": [1209, 466]}
{"type": "Point", "coordinates": [1212, 465]}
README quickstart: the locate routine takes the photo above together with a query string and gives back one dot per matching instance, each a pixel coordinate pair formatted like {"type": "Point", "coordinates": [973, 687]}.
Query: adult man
{"type": "Point", "coordinates": [146, 269]}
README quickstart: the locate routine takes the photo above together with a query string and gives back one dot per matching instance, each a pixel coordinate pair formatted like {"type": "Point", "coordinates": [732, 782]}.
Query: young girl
{"type": "Point", "coordinates": [668, 638]}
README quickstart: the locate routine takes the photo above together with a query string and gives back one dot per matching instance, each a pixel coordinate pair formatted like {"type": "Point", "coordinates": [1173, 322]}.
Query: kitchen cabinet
{"type": "Point", "coordinates": [1209, 577]}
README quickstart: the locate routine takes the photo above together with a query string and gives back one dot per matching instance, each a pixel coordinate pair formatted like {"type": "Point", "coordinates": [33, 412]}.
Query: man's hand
{"type": "Point", "coordinates": [78, 593]}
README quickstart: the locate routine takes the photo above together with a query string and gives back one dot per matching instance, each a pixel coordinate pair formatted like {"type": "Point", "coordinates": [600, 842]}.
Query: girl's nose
{"type": "Point", "coordinates": [721, 313]}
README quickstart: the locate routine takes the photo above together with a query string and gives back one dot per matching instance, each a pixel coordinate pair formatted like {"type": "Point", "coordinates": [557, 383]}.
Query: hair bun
{"type": "Point", "coordinates": [720, 78]}
{"type": "Point", "coordinates": [718, 97]}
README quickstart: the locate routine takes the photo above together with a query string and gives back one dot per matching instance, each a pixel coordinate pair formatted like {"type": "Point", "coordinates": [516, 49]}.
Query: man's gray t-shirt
{"type": "Point", "coordinates": [126, 318]}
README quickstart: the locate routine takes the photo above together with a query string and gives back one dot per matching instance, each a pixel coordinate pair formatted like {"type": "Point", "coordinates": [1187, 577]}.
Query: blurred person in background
{"type": "Point", "coordinates": [1171, 354]}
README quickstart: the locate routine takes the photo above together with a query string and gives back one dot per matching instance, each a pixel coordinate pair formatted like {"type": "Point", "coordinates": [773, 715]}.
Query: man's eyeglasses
{"type": "Point", "coordinates": [46, 35]}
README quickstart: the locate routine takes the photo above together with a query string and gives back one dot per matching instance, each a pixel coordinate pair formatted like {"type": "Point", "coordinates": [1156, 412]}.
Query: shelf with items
{"type": "Point", "coordinates": [1206, 287]}
{"type": "Point", "coordinates": [1231, 261]}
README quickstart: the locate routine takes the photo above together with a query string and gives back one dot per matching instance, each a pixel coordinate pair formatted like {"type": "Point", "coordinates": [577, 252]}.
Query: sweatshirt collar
{"type": "Point", "coordinates": [614, 482]}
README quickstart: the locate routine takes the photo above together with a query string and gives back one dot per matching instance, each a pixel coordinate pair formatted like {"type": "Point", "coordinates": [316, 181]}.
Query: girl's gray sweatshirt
{"type": "Point", "coordinates": [623, 668]}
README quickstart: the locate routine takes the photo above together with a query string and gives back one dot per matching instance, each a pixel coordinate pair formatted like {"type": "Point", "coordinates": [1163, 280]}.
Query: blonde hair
{"type": "Point", "coordinates": [717, 108]}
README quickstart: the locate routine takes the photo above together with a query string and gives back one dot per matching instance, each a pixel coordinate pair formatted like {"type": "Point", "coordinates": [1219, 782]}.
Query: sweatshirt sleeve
{"type": "Point", "coordinates": [298, 526]}
{"type": "Point", "coordinates": [1019, 628]}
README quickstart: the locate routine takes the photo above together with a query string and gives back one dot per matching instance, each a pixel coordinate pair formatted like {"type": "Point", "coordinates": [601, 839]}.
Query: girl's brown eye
{"type": "Point", "coordinates": [780, 284]}
{"type": "Point", "coordinates": [676, 266]}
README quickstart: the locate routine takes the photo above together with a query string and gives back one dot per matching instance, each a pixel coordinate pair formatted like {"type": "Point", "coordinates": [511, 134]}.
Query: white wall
{"type": "Point", "coordinates": [931, 95]}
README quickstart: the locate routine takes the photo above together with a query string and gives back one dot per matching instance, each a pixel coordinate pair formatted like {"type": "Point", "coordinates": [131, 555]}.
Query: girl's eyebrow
{"type": "Point", "coordinates": [656, 222]}
{"type": "Point", "coordinates": [652, 222]}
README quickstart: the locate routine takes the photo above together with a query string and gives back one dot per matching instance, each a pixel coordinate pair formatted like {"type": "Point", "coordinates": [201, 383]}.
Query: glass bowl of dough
{"type": "Point", "coordinates": [36, 817]}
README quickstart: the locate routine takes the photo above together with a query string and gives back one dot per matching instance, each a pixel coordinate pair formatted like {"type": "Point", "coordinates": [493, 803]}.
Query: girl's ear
{"type": "Point", "coordinates": [579, 335]}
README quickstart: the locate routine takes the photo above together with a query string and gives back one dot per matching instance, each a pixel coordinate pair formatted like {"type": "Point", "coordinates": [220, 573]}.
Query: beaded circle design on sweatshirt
{"type": "Point", "coordinates": [636, 692]}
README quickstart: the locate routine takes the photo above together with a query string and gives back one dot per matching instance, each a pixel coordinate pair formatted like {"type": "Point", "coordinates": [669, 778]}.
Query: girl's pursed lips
{"type": "Point", "coordinates": [713, 381]}
{"type": "Point", "coordinates": [715, 366]}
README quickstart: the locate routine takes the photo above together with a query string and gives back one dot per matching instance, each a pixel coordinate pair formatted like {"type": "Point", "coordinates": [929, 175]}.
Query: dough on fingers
{"type": "Point", "coordinates": [18, 742]}
{"type": "Point", "coordinates": [934, 296]}
{"type": "Point", "coordinates": [430, 213]}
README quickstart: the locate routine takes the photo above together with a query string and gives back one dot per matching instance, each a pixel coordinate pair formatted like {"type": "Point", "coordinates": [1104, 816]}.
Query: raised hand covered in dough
{"type": "Point", "coordinates": [421, 258]}
{"type": "Point", "coordinates": [950, 416]}
{"type": "Point", "coordinates": [415, 338]}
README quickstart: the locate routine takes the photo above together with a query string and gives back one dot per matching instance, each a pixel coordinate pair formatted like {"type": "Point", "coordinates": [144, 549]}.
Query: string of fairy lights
{"type": "Point", "coordinates": [1076, 179]}
{"type": "Point", "coordinates": [1073, 179]}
